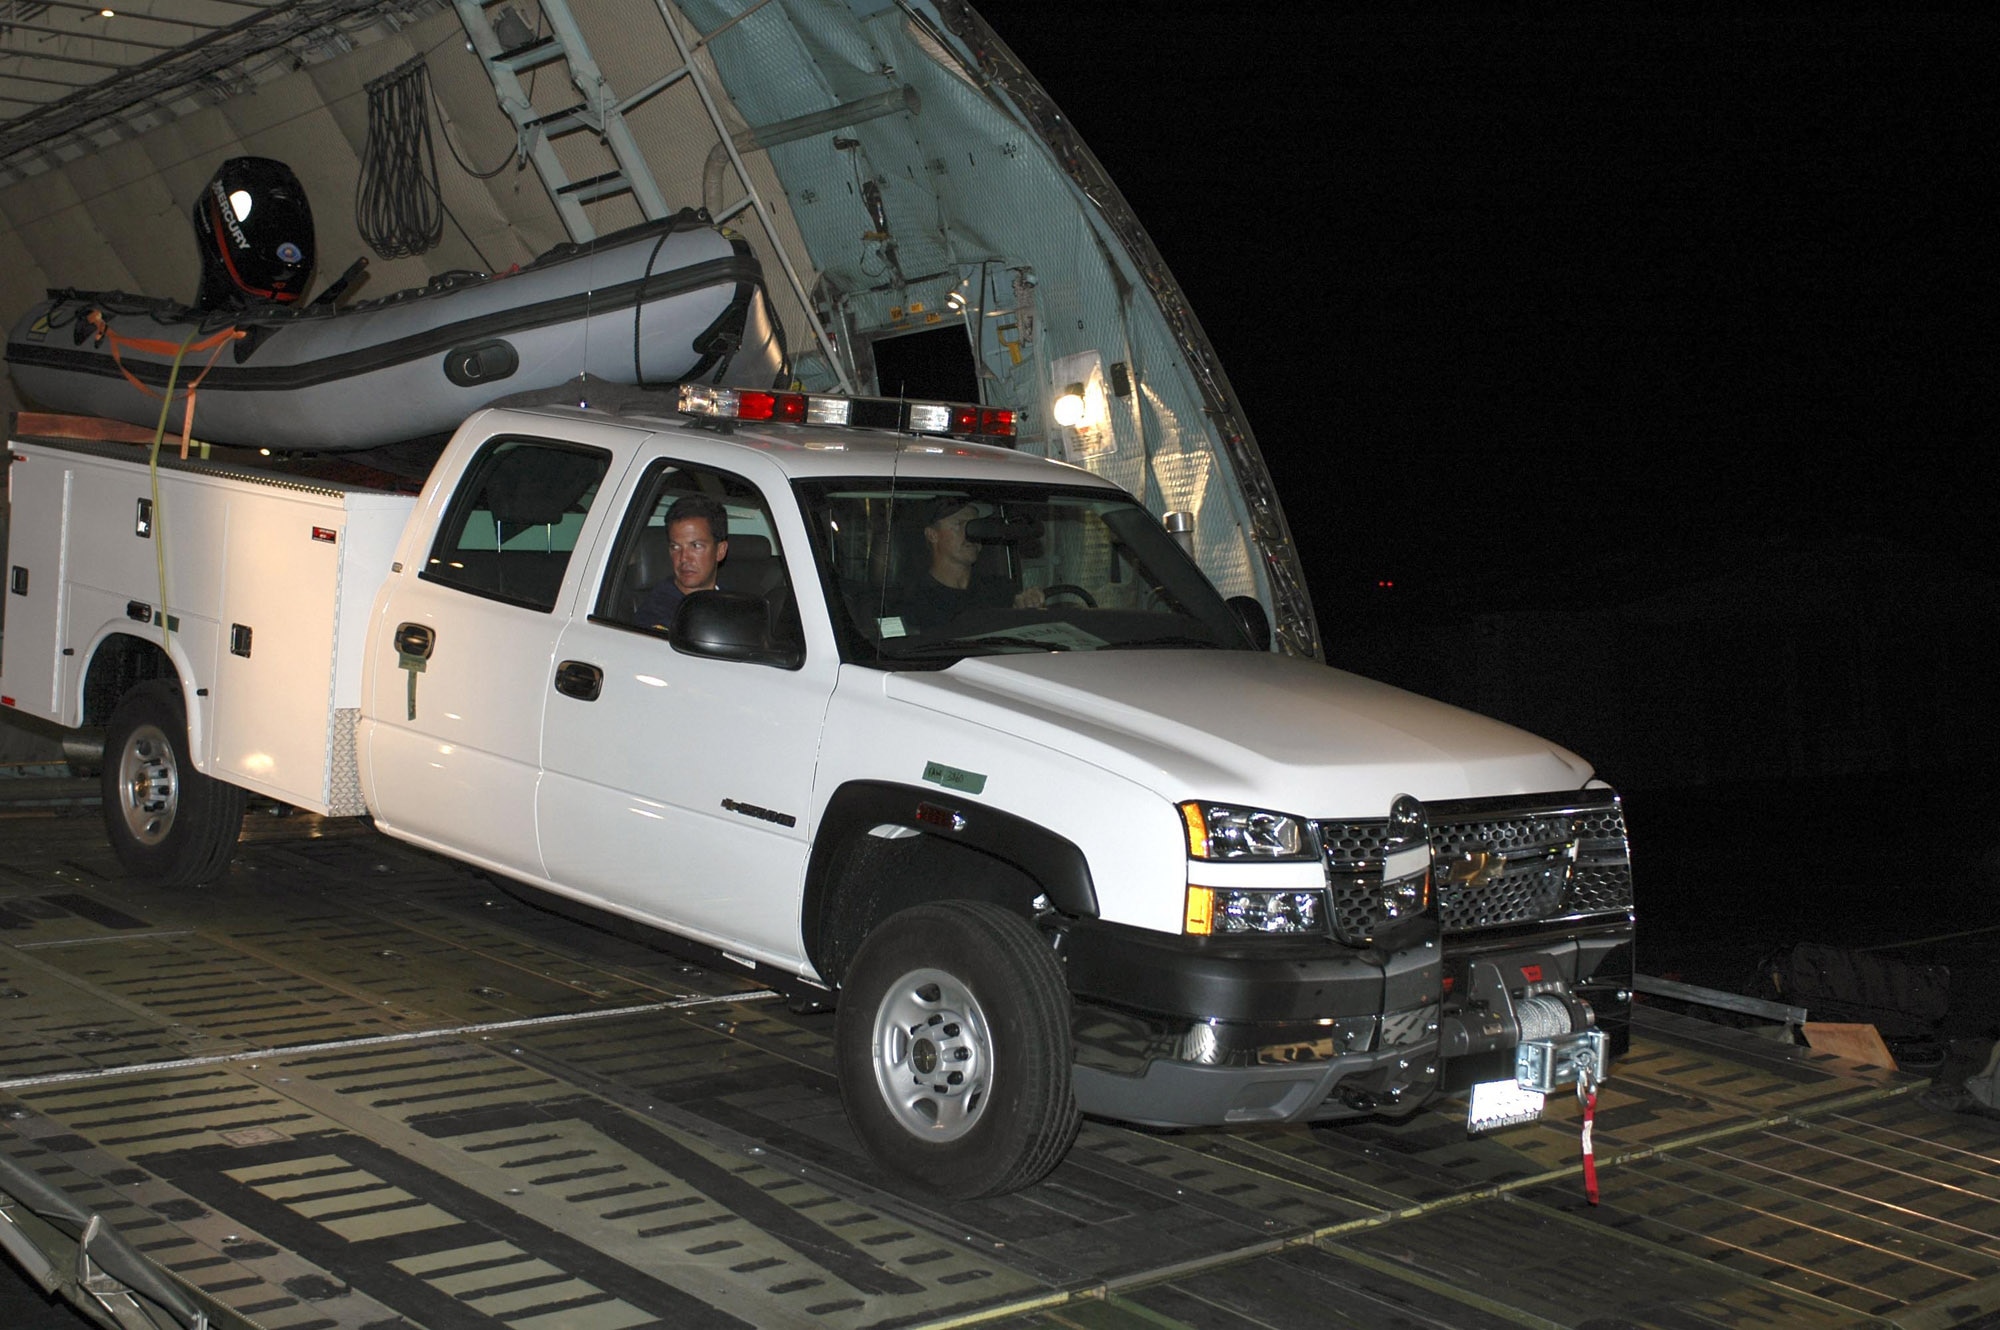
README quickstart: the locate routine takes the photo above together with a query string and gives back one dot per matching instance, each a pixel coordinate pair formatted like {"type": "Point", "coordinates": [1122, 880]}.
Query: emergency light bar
{"type": "Point", "coordinates": [957, 419]}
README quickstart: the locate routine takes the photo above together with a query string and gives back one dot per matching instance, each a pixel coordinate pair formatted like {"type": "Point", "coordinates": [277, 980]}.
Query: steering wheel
{"type": "Point", "coordinates": [1069, 589]}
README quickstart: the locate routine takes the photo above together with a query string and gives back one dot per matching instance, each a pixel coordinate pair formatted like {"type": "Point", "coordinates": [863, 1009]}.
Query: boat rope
{"type": "Point", "coordinates": [166, 621]}
{"type": "Point", "coordinates": [118, 343]}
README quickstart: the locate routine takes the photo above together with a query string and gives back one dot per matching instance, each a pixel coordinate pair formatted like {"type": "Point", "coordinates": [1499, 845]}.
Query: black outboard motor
{"type": "Point", "coordinates": [255, 232]}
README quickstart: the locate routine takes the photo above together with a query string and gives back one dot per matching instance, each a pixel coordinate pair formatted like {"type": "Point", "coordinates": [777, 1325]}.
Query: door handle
{"type": "Point", "coordinates": [580, 680]}
{"type": "Point", "coordinates": [414, 639]}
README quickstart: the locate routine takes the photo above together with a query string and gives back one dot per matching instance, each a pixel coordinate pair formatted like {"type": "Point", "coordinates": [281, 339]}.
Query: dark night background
{"type": "Point", "coordinates": [1652, 359]}
{"type": "Point", "coordinates": [1502, 292]}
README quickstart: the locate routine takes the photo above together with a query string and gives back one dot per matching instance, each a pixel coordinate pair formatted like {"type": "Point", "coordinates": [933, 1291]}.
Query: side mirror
{"type": "Point", "coordinates": [727, 625]}
{"type": "Point", "coordinates": [1255, 623]}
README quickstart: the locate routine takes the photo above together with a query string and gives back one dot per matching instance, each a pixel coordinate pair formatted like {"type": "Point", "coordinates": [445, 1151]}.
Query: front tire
{"type": "Point", "coordinates": [953, 1048]}
{"type": "Point", "coordinates": [166, 822]}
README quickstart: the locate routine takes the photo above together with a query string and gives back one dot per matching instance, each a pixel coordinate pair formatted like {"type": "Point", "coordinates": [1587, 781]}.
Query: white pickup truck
{"type": "Point", "coordinates": [1073, 840]}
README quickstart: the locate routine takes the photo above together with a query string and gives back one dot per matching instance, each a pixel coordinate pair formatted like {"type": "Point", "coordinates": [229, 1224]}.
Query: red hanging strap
{"type": "Point", "coordinates": [1589, 1098]}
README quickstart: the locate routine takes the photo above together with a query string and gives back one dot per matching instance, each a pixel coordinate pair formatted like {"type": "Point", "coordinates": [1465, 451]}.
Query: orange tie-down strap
{"type": "Point", "coordinates": [213, 344]}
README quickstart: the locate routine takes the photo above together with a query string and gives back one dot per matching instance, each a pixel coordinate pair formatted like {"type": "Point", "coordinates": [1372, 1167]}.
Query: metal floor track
{"type": "Point", "coordinates": [354, 1085]}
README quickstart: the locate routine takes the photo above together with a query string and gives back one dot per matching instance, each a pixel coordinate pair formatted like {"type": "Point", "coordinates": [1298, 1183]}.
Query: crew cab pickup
{"type": "Point", "coordinates": [1069, 838]}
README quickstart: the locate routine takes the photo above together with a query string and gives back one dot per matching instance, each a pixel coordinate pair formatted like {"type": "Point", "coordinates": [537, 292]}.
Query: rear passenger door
{"type": "Point", "coordinates": [466, 652]}
{"type": "Point", "coordinates": [676, 788]}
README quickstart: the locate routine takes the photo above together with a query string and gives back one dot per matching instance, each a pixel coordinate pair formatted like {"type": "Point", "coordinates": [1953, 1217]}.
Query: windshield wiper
{"type": "Point", "coordinates": [1206, 642]}
{"type": "Point", "coordinates": [956, 645]}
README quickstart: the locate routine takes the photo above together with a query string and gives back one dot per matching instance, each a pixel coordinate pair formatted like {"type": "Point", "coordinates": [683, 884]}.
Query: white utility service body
{"type": "Point", "coordinates": [1121, 858]}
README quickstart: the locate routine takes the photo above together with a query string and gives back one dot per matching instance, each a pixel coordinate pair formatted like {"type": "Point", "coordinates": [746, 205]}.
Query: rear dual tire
{"type": "Point", "coordinates": [167, 823]}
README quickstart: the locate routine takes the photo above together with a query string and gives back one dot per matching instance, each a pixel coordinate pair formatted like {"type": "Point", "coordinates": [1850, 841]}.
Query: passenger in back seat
{"type": "Point", "coordinates": [697, 543]}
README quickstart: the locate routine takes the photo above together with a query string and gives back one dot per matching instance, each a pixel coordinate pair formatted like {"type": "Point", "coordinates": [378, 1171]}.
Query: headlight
{"type": "Point", "coordinates": [1217, 831]}
{"type": "Point", "coordinates": [1227, 911]}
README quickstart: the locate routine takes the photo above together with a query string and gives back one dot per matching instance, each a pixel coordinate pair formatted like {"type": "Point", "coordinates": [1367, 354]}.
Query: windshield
{"type": "Point", "coordinates": [924, 573]}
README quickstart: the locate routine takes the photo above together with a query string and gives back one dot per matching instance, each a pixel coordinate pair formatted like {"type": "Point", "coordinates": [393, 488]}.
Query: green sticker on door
{"type": "Point", "coordinates": [965, 782]}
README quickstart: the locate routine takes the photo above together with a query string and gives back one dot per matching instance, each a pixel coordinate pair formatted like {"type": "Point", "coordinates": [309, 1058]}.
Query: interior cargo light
{"type": "Point", "coordinates": [1069, 407]}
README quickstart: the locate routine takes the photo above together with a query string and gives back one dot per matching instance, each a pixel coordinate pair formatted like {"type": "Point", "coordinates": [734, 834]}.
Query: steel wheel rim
{"type": "Point", "coordinates": [933, 1055]}
{"type": "Point", "coordinates": [149, 785]}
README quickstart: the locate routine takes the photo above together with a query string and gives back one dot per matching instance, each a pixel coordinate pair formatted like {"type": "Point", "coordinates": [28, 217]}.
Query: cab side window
{"type": "Point", "coordinates": [643, 565]}
{"type": "Point", "coordinates": [514, 522]}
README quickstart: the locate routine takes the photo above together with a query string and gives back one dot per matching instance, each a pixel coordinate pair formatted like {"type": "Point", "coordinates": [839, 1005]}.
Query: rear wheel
{"type": "Point", "coordinates": [167, 823]}
{"type": "Point", "coordinates": [954, 1050]}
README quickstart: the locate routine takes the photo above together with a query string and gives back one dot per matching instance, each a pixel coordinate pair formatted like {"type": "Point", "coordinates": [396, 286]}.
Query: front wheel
{"type": "Point", "coordinates": [166, 822]}
{"type": "Point", "coordinates": [954, 1050]}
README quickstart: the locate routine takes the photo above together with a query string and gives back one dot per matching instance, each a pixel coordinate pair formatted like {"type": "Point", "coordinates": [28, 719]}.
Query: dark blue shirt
{"type": "Point", "coordinates": [658, 608]}
{"type": "Point", "coordinates": [927, 604]}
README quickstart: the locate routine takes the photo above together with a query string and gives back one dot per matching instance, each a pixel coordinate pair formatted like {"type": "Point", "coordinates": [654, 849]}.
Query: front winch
{"type": "Point", "coordinates": [1576, 1058]}
{"type": "Point", "coordinates": [1556, 1043]}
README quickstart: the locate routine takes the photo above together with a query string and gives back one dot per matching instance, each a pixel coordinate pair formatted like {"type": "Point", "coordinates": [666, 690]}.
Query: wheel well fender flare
{"type": "Point", "coordinates": [1056, 865]}
{"type": "Point", "coordinates": [116, 661]}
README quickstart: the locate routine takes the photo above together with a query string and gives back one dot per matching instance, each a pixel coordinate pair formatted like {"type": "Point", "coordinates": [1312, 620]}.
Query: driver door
{"type": "Point", "coordinates": [677, 788]}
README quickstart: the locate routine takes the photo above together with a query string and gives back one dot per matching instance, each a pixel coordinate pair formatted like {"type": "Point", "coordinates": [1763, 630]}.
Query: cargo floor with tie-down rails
{"type": "Point", "coordinates": [353, 1085]}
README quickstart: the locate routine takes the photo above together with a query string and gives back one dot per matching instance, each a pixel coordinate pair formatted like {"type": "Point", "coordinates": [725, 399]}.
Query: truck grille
{"type": "Point", "coordinates": [1512, 860]}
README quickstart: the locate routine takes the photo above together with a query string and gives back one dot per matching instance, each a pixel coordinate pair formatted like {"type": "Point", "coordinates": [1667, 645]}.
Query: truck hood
{"type": "Point", "coordinates": [1245, 727]}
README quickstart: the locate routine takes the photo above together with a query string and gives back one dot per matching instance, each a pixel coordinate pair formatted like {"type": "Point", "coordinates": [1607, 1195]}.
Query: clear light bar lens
{"type": "Point", "coordinates": [828, 410]}
{"type": "Point", "coordinates": [701, 399]}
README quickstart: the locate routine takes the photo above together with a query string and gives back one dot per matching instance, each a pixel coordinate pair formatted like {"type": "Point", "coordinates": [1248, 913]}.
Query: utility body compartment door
{"type": "Point", "coordinates": [31, 659]}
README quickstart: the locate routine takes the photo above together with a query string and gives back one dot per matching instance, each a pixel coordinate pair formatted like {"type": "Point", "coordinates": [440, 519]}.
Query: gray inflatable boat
{"type": "Point", "coordinates": [671, 301]}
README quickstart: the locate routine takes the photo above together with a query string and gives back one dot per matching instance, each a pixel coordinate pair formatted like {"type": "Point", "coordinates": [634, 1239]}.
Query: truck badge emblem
{"type": "Point", "coordinates": [1475, 868]}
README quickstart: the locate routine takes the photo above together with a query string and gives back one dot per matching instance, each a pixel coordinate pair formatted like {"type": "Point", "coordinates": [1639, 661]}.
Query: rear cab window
{"type": "Point", "coordinates": [515, 520]}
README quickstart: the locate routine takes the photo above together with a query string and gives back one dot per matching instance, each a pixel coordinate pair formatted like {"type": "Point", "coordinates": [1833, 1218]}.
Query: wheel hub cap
{"type": "Point", "coordinates": [150, 782]}
{"type": "Point", "coordinates": [933, 1055]}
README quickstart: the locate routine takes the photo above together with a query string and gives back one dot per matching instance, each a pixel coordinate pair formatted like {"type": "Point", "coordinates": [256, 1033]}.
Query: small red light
{"type": "Point", "coordinates": [1385, 584]}
{"type": "Point", "coordinates": [325, 533]}
{"type": "Point", "coordinates": [1449, 983]}
{"type": "Point", "coordinates": [939, 816]}
{"type": "Point", "coordinates": [997, 421]}
{"type": "Point", "coordinates": [965, 420]}
{"type": "Point", "coordinates": [756, 406]}
{"type": "Point", "coordinates": [1531, 973]}
{"type": "Point", "coordinates": [6, 701]}
{"type": "Point", "coordinates": [790, 408]}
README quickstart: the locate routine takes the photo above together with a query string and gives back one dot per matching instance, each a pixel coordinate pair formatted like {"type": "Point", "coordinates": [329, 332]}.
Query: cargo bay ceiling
{"type": "Point", "coordinates": [892, 164]}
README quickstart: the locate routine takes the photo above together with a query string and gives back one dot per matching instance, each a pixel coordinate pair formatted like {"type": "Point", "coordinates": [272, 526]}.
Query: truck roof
{"type": "Point", "coordinates": [804, 452]}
